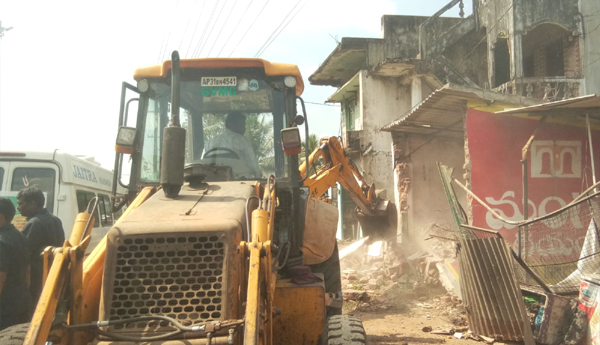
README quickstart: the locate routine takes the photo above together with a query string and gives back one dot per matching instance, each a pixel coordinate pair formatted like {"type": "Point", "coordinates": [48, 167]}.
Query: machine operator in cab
{"type": "Point", "coordinates": [232, 144]}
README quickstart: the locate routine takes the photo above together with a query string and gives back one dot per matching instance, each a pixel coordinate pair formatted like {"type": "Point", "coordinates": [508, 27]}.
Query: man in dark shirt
{"type": "Point", "coordinates": [42, 230]}
{"type": "Point", "coordinates": [15, 301]}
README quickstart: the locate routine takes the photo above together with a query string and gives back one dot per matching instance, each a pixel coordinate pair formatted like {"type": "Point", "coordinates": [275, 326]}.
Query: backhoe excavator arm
{"type": "Point", "coordinates": [337, 168]}
{"type": "Point", "coordinates": [376, 216]}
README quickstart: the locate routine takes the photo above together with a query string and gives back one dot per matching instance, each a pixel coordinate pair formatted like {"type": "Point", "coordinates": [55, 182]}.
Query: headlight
{"type": "Point", "coordinates": [143, 85]}
{"type": "Point", "coordinates": [289, 81]}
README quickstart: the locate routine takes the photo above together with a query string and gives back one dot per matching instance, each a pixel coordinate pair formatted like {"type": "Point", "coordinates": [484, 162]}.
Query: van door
{"type": "Point", "coordinates": [3, 175]}
{"type": "Point", "coordinates": [35, 174]}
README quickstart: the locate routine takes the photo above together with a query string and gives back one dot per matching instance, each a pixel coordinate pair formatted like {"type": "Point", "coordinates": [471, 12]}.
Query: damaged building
{"type": "Point", "coordinates": [428, 91]}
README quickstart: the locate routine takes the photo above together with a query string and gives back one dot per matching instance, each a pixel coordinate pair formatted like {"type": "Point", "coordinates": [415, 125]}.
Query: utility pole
{"type": "Point", "coordinates": [2, 31]}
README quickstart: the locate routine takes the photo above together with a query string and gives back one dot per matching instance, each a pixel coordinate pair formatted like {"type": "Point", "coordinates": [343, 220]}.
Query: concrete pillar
{"type": "Point", "coordinates": [516, 56]}
{"type": "Point", "coordinates": [416, 91]}
{"type": "Point", "coordinates": [491, 60]}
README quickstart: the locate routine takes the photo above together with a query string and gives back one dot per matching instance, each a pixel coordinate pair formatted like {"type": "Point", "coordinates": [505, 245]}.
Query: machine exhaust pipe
{"type": "Point", "coordinates": [173, 149]}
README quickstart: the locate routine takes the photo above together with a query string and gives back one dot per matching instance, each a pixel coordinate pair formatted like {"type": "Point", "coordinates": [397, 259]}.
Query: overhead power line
{"type": "Point", "coordinates": [235, 28]}
{"type": "Point", "coordinates": [277, 28]}
{"type": "Point", "coordinates": [251, 25]}
{"type": "Point", "coordinates": [591, 63]}
{"type": "Point", "coordinates": [204, 30]}
{"type": "Point", "coordinates": [212, 28]}
{"type": "Point", "coordinates": [187, 52]}
{"type": "Point", "coordinates": [163, 49]}
{"type": "Point", "coordinates": [187, 25]}
{"type": "Point", "coordinates": [224, 25]}
{"type": "Point", "coordinates": [325, 104]}
{"type": "Point", "coordinates": [484, 37]}
{"type": "Point", "coordinates": [294, 16]}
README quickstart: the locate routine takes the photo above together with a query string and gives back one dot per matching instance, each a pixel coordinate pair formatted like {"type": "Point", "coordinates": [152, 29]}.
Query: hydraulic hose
{"type": "Point", "coordinates": [306, 153]}
{"type": "Point", "coordinates": [176, 323]}
{"type": "Point", "coordinates": [287, 254]}
{"type": "Point", "coordinates": [180, 327]}
{"type": "Point", "coordinates": [248, 238]}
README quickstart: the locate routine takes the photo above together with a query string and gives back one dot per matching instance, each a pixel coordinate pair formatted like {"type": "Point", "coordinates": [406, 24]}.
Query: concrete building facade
{"type": "Point", "coordinates": [511, 53]}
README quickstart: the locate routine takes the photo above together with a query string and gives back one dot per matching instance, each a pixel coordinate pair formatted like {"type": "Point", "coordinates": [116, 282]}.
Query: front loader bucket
{"type": "Point", "coordinates": [382, 225]}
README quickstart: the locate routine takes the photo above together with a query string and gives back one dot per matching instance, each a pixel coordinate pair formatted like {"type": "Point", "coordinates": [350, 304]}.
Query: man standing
{"type": "Point", "coordinates": [42, 230]}
{"type": "Point", "coordinates": [15, 301]}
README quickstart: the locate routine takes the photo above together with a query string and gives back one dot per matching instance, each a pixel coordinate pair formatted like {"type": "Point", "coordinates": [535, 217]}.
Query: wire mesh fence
{"type": "Point", "coordinates": [556, 250]}
{"type": "Point", "coordinates": [560, 248]}
{"type": "Point", "coordinates": [563, 246]}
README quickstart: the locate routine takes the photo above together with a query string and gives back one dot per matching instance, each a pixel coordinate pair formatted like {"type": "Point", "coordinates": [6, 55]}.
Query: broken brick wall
{"type": "Point", "coordinates": [421, 197]}
{"type": "Point", "coordinates": [402, 183]}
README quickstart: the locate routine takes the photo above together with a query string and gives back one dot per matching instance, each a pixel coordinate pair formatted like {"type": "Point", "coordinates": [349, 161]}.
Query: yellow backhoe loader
{"type": "Point", "coordinates": [225, 239]}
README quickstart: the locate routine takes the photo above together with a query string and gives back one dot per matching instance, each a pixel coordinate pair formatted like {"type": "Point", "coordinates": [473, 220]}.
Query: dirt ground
{"type": "Point", "coordinates": [401, 301]}
{"type": "Point", "coordinates": [402, 317]}
{"type": "Point", "coordinates": [405, 318]}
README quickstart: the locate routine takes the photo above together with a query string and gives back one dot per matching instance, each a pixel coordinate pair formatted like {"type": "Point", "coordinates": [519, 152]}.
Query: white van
{"type": "Point", "coordinates": [68, 182]}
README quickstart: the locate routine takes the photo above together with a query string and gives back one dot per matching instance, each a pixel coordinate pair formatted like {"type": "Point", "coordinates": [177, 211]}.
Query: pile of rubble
{"type": "Point", "coordinates": [392, 283]}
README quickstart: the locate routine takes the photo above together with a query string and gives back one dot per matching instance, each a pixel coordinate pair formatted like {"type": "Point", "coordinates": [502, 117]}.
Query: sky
{"type": "Point", "coordinates": [62, 64]}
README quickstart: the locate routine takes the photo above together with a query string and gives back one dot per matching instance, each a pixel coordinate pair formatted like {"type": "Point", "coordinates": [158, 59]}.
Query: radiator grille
{"type": "Point", "coordinates": [180, 277]}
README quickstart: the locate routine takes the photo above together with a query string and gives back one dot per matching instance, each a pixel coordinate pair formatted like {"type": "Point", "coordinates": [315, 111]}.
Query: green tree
{"type": "Point", "coordinates": [213, 125]}
{"type": "Point", "coordinates": [259, 130]}
{"type": "Point", "coordinates": [313, 143]}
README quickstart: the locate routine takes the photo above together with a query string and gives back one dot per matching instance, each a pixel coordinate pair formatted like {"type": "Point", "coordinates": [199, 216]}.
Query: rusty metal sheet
{"type": "Point", "coordinates": [448, 110]}
{"type": "Point", "coordinates": [492, 298]}
{"type": "Point", "coordinates": [443, 110]}
{"type": "Point", "coordinates": [583, 102]}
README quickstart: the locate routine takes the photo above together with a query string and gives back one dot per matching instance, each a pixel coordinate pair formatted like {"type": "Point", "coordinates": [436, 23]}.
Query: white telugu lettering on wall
{"type": "Point", "coordinates": [552, 243]}
{"type": "Point", "coordinates": [510, 203]}
{"type": "Point", "coordinates": [559, 158]}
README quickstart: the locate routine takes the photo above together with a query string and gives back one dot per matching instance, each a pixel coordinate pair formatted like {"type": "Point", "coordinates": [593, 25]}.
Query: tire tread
{"type": "Point", "coordinates": [345, 330]}
{"type": "Point", "coordinates": [14, 335]}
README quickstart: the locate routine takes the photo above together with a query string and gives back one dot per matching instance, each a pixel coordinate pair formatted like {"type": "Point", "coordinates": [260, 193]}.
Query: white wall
{"type": "Point", "coordinates": [428, 204]}
{"type": "Point", "coordinates": [383, 100]}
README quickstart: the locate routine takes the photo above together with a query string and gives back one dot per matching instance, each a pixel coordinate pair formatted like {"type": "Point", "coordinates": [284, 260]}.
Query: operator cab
{"type": "Point", "coordinates": [233, 118]}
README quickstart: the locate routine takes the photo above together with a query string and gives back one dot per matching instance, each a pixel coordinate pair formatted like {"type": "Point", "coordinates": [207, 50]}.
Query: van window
{"type": "Point", "coordinates": [117, 214]}
{"type": "Point", "coordinates": [105, 210]}
{"type": "Point", "coordinates": [83, 199]}
{"type": "Point", "coordinates": [42, 178]}
{"type": "Point", "coordinates": [1, 177]}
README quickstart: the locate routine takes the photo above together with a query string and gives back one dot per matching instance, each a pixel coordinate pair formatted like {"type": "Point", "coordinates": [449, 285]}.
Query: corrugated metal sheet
{"type": "Point", "coordinates": [443, 110]}
{"type": "Point", "coordinates": [492, 298]}
{"type": "Point", "coordinates": [439, 111]}
{"type": "Point", "coordinates": [583, 102]}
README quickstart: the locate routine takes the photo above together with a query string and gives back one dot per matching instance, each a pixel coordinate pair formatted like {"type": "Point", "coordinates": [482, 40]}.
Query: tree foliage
{"type": "Point", "coordinates": [259, 130]}
{"type": "Point", "coordinates": [313, 143]}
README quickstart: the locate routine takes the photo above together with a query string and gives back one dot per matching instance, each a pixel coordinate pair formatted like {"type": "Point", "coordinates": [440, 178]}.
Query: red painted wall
{"type": "Point", "coordinates": [559, 170]}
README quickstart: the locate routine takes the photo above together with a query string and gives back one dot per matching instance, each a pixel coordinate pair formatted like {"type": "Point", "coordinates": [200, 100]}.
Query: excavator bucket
{"type": "Point", "coordinates": [382, 224]}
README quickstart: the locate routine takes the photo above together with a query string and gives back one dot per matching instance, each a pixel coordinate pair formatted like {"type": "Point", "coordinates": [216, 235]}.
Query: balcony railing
{"type": "Point", "coordinates": [546, 88]}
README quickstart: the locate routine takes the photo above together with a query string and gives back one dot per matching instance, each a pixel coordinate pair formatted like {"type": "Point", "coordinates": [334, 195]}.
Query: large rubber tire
{"type": "Point", "coordinates": [345, 330]}
{"type": "Point", "coordinates": [333, 280]}
{"type": "Point", "coordinates": [14, 335]}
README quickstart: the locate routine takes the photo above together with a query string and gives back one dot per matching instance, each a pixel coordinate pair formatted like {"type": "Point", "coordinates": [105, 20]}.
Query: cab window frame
{"type": "Point", "coordinates": [278, 113]}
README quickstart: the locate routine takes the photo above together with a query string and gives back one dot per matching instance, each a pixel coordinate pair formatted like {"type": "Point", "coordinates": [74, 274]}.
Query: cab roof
{"type": "Point", "coordinates": [271, 68]}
